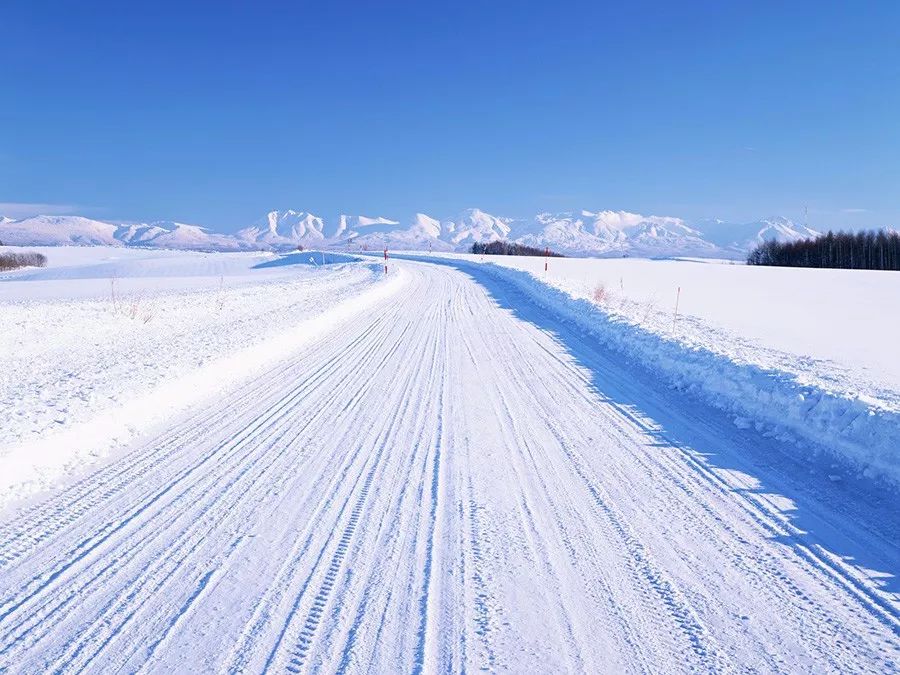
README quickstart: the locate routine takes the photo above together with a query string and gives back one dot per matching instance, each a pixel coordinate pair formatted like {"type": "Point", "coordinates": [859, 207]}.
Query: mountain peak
{"type": "Point", "coordinates": [577, 232]}
{"type": "Point", "coordinates": [778, 220]}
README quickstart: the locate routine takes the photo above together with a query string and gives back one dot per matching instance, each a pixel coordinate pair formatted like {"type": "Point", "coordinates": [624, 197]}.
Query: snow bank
{"type": "Point", "coordinates": [861, 432]}
{"type": "Point", "coordinates": [83, 376]}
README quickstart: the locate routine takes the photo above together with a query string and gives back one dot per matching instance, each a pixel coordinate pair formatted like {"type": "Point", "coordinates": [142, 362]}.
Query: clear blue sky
{"type": "Point", "coordinates": [216, 112]}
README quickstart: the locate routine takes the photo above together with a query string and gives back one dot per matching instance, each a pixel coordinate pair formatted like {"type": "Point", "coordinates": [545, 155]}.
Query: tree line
{"type": "Point", "coordinates": [11, 261]}
{"type": "Point", "coordinates": [500, 247]}
{"type": "Point", "coordinates": [843, 250]}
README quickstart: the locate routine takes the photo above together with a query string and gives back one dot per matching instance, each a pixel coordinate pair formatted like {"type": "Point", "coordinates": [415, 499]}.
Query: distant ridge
{"type": "Point", "coordinates": [590, 233]}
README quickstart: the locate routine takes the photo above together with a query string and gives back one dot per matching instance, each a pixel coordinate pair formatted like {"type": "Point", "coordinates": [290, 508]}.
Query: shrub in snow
{"type": "Point", "coordinates": [11, 261]}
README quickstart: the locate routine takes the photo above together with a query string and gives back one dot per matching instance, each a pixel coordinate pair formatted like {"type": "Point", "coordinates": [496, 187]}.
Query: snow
{"type": "Point", "coordinates": [596, 233]}
{"type": "Point", "coordinates": [812, 314]}
{"type": "Point", "coordinates": [808, 355]}
{"type": "Point", "coordinates": [78, 231]}
{"type": "Point", "coordinates": [743, 237]}
{"type": "Point", "coordinates": [105, 343]}
{"type": "Point", "coordinates": [474, 225]}
{"type": "Point", "coordinates": [351, 226]}
{"type": "Point", "coordinates": [459, 473]}
{"type": "Point", "coordinates": [285, 228]}
{"type": "Point", "coordinates": [172, 235]}
{"type": "Point", "coordinates": [57, 230]}
{"type": "Point", "coordinates": [421, 232]}
{"type": "Point", "coordinates": [616, 233]}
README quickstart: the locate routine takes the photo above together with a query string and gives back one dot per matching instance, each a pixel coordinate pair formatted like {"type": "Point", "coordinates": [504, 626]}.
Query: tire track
{"type": "Point", "coordinates": [72, 592]}
{"type": "Point", "coordinates": [300, 637]}
{"type": "Point", "coordinates": [407, 494]}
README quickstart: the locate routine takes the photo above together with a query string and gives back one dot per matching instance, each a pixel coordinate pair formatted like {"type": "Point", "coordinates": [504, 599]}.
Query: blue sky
{"type": "Point", "coordinates": [216, 112]}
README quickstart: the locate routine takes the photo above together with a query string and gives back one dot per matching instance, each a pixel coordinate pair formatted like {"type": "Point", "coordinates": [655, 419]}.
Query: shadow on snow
{"type": "Point", "coordinates": [309, 258]}
{"type": "Point", "coordinates": [856, 519]}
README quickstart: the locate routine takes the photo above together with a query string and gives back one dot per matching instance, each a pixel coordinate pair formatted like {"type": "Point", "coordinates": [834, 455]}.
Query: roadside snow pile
{"type": "Point", "coordinates": [107, 359]}
{"type": "Point", "coordinates": [779, 394]}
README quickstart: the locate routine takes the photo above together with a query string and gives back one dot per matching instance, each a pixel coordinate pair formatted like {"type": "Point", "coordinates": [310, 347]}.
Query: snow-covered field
{"type": "Point", "coordinates": [105, 343]}
{"type": "Point", "coordinates": [836, 325]}
{"type": "Point", "coordinates": [258, 464]}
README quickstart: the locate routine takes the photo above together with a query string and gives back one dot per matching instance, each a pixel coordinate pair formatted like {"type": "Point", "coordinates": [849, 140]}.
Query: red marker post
{"type": "Point", "coordinates": [385, 259]}
{"type": "Point", "coordinates": [546, 259]}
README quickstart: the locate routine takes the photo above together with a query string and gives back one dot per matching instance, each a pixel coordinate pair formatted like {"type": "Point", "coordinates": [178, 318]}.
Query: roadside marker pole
{"type": "Point", "coordinates": [546, 259]}
{"type": "Point", "coordinates": [675, 318]}
{"type": "Point", "coordinates": [385, 259]}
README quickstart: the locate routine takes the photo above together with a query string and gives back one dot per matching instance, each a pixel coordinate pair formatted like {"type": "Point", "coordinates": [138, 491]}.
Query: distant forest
{"type": "Point", "coordinates": [844, 250]}
{"type": "Point", "coordinates": [507, 248]}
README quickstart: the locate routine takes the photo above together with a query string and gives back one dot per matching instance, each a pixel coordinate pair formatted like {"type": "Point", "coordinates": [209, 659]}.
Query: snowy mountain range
{"type": "Point", "coordinates": [600, 233]}
{"type": "Point", "coordinates": [79, 231]}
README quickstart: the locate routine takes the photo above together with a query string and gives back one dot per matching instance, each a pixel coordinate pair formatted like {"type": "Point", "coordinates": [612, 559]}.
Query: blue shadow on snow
{"type": "Point", "coordinates": [309, 258]}
{"type": "Point", "coordinates": [855, 519]}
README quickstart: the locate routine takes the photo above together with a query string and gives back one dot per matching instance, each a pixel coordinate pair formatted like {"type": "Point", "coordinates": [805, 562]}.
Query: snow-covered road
{"type": "Point", "coordinates": [456, 480]}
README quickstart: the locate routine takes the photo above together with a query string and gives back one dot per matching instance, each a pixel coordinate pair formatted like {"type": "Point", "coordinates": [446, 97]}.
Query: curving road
{"type": "Point", "coordinates": [453, 481]}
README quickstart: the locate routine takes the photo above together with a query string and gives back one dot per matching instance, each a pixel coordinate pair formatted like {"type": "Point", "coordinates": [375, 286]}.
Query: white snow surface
{"type": "Point", "coordinates": [105, 343]}
{"type": "Point", "coordinates": [743, 237]}
{"type": "Point", "coordinates": [451, 467]}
